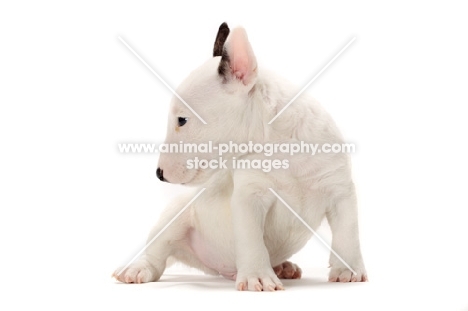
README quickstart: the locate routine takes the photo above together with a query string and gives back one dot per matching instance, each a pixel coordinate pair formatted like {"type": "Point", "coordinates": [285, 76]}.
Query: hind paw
{"type": "Point", "coordinates": [288, 270]}
{"type": "Point", "coordinates": [138, 272]}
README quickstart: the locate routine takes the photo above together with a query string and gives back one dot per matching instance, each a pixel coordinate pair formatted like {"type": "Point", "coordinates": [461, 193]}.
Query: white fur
{"type": "Point", "coordinates": [237, 227]}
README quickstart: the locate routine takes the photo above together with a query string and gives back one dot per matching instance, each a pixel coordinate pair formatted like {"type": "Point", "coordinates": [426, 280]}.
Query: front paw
{"type": "Point", "coordinates": [344, 275]}
{"type": "Point", "coordinates": [138, 272]}
{"type": "Point", "coordinates": [263, 280]}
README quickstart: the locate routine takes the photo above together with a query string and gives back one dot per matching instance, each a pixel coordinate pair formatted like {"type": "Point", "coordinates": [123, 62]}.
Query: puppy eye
{"type": "Point", "coordinates": [182, 121]}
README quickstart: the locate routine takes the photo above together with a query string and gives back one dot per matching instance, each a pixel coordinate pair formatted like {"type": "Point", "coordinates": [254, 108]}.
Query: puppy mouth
{"type": "Point", "coordinates": [192, 179]}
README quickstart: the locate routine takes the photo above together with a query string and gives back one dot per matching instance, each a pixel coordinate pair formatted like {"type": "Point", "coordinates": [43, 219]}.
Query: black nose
{"type": "Point", "coordinates": [159, 174]}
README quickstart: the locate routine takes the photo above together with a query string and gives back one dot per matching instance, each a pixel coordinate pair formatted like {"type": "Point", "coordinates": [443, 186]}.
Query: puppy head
{"type": "Point", "coordinates": [218, 91]}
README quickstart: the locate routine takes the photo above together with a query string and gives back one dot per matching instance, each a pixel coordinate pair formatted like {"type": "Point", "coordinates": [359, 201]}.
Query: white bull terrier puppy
{"type": "Point", "coordinates": [237, 227]}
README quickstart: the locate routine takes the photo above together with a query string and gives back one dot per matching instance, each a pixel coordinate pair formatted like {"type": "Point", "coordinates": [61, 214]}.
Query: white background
{"type": "Point", "coordinates": [73, 208]}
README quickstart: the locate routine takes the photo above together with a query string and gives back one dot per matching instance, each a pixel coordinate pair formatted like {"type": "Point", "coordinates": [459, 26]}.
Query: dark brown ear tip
{"type": "Point", "coordinates": [223, 31]}
{"type": "Point", "coordinates": [221, 37]}
{"type": "Point", "coordinates": [223, 26]}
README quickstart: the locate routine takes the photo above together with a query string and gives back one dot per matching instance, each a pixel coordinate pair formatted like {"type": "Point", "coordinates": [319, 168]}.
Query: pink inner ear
{"type": "Point", "coordinates": [242, 59]}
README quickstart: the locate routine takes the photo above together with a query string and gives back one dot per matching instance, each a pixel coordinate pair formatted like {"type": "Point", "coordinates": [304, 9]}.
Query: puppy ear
{"type": "Point", "coordinates": [221, 37]}
{"type": "Point", "coordinates": [238, 60]}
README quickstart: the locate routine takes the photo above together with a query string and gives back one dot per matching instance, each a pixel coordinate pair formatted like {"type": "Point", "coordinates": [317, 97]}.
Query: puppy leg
{"type": "Point", "coordinates": [343, 220]}
{"type": "Point", "coordinates": [151, 265]}
{"type": "Point", "coordinates": [250, 203]}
